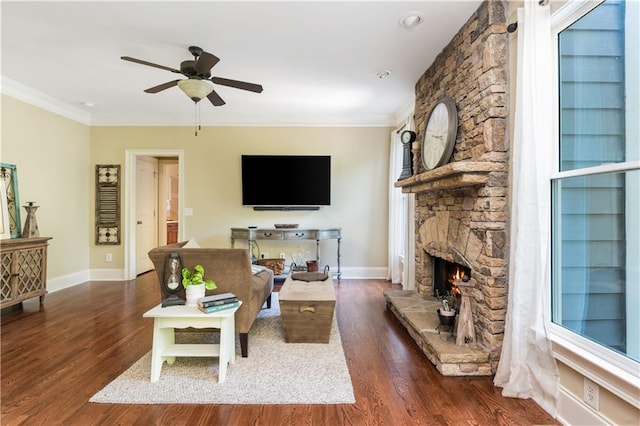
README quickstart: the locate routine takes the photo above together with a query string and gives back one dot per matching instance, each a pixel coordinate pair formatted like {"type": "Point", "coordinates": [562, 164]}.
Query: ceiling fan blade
{"type": "Point", "coordinates": [205, 62]}
{"type": "Point", "coordinates": [237, 84]}
{"type": "Point", "coordinates": [162, 86]}
{"type": "Point", "coordinates": [215, 99]}
{"type": "Point", "coordinates": [151, 64]}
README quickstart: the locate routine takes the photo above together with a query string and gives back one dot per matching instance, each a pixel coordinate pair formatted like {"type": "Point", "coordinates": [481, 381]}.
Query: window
{"type": "Point", "coordinates": [596, 188]}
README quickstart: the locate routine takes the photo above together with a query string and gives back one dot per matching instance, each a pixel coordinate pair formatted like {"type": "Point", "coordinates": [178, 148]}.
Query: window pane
{"type": "Point", "coordinates": [593, 62]}
{"type": "Point", "coordinates": [596, 234]}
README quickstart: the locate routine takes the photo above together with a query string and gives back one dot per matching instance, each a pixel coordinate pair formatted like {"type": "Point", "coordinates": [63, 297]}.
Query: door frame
{"type": "Point", "coordinates": [129, 205]}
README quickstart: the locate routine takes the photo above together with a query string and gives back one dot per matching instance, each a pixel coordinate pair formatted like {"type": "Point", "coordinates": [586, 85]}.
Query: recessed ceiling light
{"type": "Point", "coordinates": [411, 20]}
{"type": "Point", "coordinates": [383, 74]}
{"type": "Point", "coordinates": [89, 104]}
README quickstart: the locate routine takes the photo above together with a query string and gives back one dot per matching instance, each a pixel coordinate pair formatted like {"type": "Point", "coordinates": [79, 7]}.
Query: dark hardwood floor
{"type": "Point", "coordinates": [56, 356]}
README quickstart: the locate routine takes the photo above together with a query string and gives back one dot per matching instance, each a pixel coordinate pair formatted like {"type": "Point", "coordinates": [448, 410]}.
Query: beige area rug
{"type": "Point", "coordinates": [274, 373]}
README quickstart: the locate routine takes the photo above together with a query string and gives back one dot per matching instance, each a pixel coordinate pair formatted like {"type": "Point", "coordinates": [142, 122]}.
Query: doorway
{"type": "Point", "coordinates": [147, 220]}
{"type": "Point", "coordinates": [131, 243]}
{"type": "Point", "coordinates": [168, 203]}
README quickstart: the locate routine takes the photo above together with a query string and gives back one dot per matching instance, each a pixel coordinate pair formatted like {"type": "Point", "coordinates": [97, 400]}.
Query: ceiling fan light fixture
{"type": "Point", "coordinates": [195, 89]}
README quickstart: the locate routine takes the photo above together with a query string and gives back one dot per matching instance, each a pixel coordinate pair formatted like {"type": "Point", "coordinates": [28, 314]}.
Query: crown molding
{"type": "Point", "coordinates": [34, 97]}
{"type": "Point", "coordinates": [325, 121]}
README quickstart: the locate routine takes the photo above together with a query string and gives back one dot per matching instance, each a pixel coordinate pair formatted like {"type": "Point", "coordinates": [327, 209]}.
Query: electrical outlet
{"type": "Point", "coordinates": [591, 394]}
{"type": "Point", "coordinates": [282, 256]}
{"type": "Point", "coordinates": [108, 257]}
{"type": "Point", "coordinates": [264, 255]}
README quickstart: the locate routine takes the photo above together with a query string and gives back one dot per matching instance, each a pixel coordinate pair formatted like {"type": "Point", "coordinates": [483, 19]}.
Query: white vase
{"type": "Point", "coordinates": [194, 292]}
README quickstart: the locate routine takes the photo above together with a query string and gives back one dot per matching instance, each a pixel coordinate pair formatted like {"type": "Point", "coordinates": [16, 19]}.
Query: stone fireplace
{"type": "Point", "coordinates": [463, 227]}
{"type": "Point", "coordinates": [461, 207]}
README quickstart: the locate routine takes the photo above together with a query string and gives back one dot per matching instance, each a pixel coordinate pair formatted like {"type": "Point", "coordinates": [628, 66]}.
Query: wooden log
{"type": "Point", "coordinates": [466, 332]}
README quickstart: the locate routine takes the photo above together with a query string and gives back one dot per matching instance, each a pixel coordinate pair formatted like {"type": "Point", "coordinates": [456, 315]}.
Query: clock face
{"type": "Point", "coordinates": [440, 134]}
{"type": "Point", "coordinates": [407, 136]}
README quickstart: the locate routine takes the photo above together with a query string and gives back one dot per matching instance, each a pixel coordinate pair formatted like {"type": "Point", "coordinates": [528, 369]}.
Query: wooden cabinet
{"type": "Point", "coordinates": [172, 232]}
{"type": "Point", "coordinates": [24, 269]}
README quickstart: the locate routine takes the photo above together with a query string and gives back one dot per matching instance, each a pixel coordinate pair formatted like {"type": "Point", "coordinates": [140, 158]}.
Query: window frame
{"type": "Point", "coordinates": [614, 371]}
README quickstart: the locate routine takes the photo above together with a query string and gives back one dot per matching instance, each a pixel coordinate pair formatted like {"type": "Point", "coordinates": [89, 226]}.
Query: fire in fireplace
{"type": "Point", "coordinates": [445, 274]}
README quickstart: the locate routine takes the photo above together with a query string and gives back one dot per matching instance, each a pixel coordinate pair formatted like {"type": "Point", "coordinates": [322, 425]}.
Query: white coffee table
{"type": "Point", "coordinates": [167, 319]}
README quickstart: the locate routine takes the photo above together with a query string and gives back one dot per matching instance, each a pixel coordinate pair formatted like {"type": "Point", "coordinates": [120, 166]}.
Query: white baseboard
{"type": "Point", "coordinates": [107, 275]}
{"type": "Point", "coordinates": [70, 280]}
{"type": "Point", "coordinates": [66, 281]}
{"type": "Point", "coordinates": [360, 273]}
{"type": "Point", "coordinates": [572, 411]}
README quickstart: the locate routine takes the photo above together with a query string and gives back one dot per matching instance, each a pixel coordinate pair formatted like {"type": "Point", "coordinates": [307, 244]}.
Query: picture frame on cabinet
{"type": "Point", "coordinates": [10, 201]}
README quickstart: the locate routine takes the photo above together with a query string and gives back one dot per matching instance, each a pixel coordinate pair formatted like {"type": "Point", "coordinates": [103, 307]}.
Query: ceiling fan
{"type": "Point", "coordinates": [197, 72]}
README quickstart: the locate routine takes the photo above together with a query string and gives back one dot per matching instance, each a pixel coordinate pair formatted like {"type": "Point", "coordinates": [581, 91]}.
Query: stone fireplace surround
{"type": "Point", "coordinates": [446, 229]}
{"type": "Point", "coordinates": [461, 207]}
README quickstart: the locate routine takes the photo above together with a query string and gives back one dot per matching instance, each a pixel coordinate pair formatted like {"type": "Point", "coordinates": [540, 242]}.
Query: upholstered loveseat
{"type": "Point", "coordinates": [231, 270]}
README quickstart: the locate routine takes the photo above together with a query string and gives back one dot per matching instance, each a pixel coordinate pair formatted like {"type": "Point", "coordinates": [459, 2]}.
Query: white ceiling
{"type": "Point", "coordinates": [317, 60]}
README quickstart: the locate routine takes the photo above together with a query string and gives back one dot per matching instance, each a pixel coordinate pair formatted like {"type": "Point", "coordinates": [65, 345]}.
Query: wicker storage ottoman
{"type": "Point", "coordinates": [307, 310]}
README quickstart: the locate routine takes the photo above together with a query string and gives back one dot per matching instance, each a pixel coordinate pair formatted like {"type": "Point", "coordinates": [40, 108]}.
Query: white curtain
{"type": "Point", "coordinates": [397, 221]}
{"type": "Point", "coordinates": [395, 208]}
{"type": "Point", "coordinates": [527, 368]}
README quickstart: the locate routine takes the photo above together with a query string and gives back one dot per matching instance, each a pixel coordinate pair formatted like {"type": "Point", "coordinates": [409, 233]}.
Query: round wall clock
{"type": "Point", "coordinates": [440, 134]}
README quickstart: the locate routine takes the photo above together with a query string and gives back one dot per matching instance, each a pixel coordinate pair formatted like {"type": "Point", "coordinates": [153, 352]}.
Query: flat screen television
{"type": "Point", "coordinates": [286, 181]}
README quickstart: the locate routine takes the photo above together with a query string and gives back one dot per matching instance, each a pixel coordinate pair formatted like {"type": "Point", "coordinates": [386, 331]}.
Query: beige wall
{"type": "Point", "coordinates": [615, 409]}
{"type": "Point", "coordinates": [56, 159]}
{"type": "Point", "coordinates": [51, 154]}
{"type": "Point", "coordinates": [213, 186]}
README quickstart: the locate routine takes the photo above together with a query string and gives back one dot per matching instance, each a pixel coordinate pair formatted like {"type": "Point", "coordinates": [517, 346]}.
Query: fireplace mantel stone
{"type": "Point", "coordinates": [459, 174]}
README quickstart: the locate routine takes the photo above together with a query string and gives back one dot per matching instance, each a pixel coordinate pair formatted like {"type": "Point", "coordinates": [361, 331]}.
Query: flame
{"type": "Point", "coordinates": [457, 275]}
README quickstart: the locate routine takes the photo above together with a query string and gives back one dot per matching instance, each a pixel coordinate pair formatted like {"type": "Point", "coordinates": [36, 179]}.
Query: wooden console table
{"type": "Point", "coordinates": [289, 234]}
{"type": "Point", "coordinates": [24, 269]}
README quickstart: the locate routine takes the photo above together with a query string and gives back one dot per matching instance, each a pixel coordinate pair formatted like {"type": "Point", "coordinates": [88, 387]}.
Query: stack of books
{"type": "Point", "coordinates": [218, 302]}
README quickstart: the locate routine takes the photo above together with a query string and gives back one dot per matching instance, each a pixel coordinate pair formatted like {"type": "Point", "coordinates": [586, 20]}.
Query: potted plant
{"type": "Point", "coordinates": [447, 313]}
{"type": "Point", "coordinates": [195, 284]}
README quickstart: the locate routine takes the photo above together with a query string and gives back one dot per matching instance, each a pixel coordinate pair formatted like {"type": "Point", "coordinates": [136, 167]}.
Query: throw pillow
{"type": "Point", "coordinates": [191, 244]}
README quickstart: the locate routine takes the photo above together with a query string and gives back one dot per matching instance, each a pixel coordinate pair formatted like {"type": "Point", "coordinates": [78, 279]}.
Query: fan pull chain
{"type": "Point", "coordinates": [197, 125]}
{"type": "Point", "coordinates": [196, 118]}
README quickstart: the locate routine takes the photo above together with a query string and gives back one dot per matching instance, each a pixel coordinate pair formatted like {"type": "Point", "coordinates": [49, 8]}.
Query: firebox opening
{"type": "Point", "coordinates": [445, 274]}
